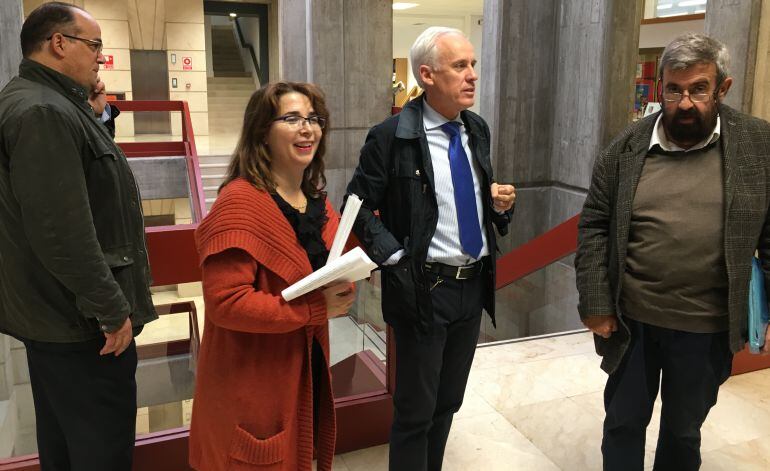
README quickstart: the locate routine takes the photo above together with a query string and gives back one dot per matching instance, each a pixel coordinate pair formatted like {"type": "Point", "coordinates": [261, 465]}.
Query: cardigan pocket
{"type": "Point", "coordinates": [248, 451]}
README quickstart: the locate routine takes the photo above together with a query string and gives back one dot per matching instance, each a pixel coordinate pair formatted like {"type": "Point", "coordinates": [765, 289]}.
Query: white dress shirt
{"type": "Point", "coordinates": [659, 138]}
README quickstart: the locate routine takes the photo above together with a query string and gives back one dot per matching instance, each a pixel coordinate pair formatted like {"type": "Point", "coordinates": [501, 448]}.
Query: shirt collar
{"type": "Point", "coordinates": [432, 119]}
{"type": "Point", "coordinates": [659, 138]}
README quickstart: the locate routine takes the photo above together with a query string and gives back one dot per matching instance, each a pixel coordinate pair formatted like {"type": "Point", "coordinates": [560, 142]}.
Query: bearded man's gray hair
{"type": "Point", "coordinates": [692, 48]}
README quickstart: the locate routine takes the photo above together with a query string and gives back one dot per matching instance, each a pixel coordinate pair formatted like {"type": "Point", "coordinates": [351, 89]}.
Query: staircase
{"type": "Point", "coordinates": [228, 97]}
{"type": "Point", "coordinates": [213, 170]}
{"type": "Point", "coordinates": [226, 53]}
{"type": "Point", "coordinates": [228, 94]}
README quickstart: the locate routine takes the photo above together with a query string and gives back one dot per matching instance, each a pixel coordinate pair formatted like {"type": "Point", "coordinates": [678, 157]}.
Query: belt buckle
{"type": "Point", "coordinates": [459, 275]}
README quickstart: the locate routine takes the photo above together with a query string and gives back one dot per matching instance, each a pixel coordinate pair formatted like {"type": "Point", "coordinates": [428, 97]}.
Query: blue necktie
{"type": "Point", "coordinates": [465, 194]}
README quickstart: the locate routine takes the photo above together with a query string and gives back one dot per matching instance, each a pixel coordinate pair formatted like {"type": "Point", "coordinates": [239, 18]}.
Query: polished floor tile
{"type": "Point", "coordinates": [489, 442]}
{"type": "Point", "coordinates": [369, 459]}
{"type": "Point", "coordinates": [566, 433]}
{"type": "Point", "coordinates": [753, 455]}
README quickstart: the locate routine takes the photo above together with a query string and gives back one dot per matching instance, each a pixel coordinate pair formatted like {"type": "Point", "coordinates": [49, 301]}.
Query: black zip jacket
{"type": "Point", "coordinates": [395, 176]}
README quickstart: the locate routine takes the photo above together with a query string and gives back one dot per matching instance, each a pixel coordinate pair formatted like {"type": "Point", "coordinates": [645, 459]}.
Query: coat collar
{"type": "Point", "coordinates": [730, 154]}
{"type": "Point", "coordinates": [39, 73]}
{"type": "Point", "coordinates": [410, 121]}
{"type": "Point", "coordinates": [632, 159]}
{"type": "Point", "coordinates": [247, 218]}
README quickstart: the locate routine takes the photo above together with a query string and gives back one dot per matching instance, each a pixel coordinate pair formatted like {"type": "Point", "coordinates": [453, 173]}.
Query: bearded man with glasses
{"type": "Point", "coordinates": [74, 274]}
{"type": "Point", "coordinates": [677, 207]}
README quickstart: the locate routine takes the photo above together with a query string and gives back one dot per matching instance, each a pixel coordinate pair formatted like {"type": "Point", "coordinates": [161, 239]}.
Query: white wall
{"type": "Point", "coordinates": [406, 28]}
{"type": "Point", "coordinates": [250, 30]}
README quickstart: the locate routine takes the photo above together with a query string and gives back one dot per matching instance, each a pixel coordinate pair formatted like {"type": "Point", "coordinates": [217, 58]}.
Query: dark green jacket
{"type": "Point", "coordinates": [604, 223]}
{"type": "Point", "coordinates": [73, 260]}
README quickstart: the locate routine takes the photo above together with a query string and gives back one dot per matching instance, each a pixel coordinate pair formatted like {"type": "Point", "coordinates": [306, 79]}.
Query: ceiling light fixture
{"type": "Point", "coordinates": [233, 15]}
{"type": "Point", "coordinates": [404, 6]}
{"type": "Point", "coordinates": [664, 6]}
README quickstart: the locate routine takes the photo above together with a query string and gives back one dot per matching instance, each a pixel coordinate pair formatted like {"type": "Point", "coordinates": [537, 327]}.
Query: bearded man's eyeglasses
{"type": "Point", "coordinates": [676, 97]}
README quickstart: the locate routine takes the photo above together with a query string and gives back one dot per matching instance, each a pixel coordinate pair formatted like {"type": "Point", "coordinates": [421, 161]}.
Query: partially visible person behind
{"type": "Point", "coordinates": [677, 206]}
{"type": "Point", "coordinates": [74, 275]}
{"type": "Point", "coordinates": [103, 111]}
{"type": "Point", "coordinates": [263, 397]}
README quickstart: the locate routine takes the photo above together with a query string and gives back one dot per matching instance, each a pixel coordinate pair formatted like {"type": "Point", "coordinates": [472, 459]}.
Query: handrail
{"type": "Point", "coordinates": [170, 148]}
{"type": "Point", "coordinates": [262, 78]}
{"type": "Point", "coordinates": [538, 253]}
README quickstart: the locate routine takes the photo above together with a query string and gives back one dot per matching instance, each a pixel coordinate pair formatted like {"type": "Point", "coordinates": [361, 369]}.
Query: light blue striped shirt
{"type": "Point", "coordinates": [445, 246]}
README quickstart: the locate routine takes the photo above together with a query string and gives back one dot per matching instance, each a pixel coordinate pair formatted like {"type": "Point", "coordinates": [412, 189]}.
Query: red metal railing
{"type": "Point", "coordinates": [185, 147]}
{"type": "Point", "coordinates": [538, 253]}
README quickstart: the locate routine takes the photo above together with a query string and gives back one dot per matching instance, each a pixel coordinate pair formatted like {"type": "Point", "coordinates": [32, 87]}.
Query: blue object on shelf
{"type": "Point", "coordinates": [758, 315]}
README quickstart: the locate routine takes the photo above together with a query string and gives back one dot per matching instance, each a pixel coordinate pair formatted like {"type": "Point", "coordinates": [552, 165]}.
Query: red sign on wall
{"type": "Point", "coordinates": [186, 63]}
{"type": "Point", "coordinates": [108, 62]}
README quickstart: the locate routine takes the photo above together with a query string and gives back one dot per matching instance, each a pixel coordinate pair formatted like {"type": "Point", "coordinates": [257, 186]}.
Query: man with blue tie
{"type": "Point", "coordinates": [428, 172]}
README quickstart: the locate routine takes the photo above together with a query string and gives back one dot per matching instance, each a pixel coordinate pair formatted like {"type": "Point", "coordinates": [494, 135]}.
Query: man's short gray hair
{"type": "Point", "coordinates": [423, 51]}
{"type": "Point", "coordinates": [690, 49]}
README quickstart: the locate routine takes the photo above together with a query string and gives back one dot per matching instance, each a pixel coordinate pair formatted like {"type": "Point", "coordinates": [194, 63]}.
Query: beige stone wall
{"type": "Point", "coordinates": [112, 17]}
{"type": "Point", "coordinates": [173, 25]}
{"type": "Point", "coordinates": [760, 105]}
{"type": "Point", "coordinates": [185, 37]}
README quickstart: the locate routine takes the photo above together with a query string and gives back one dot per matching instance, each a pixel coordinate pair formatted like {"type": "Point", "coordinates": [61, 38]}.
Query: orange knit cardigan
{"type": "Point", "coordinates": [253, 395]}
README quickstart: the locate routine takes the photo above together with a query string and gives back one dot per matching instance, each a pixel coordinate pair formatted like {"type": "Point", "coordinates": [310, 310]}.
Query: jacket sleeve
{"type": "Point", "coordinates": [233, 302]}
{"type": "Point", "coordinates": [48, 179]}
{"type": "Point", "coordinates": [592, 257]}
{"type": "Point", "coordinates": [370, 183]}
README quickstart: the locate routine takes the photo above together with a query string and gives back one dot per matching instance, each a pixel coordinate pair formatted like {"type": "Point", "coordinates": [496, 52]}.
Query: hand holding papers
{"type": "Point", "coordinates": [353, 266]}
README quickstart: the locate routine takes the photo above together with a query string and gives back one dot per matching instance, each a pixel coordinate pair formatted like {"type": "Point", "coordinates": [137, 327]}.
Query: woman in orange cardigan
{"type": "Point", "coordinates": [263, 398]}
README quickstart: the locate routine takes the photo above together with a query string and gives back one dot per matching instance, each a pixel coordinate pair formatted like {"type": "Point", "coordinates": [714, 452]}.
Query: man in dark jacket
{"type": "Point", "coordinates": [428, 172]}
{"type": "Point", "coordinates": [74, 277]}
{"type": "Point", "coordinates": [678, 204]}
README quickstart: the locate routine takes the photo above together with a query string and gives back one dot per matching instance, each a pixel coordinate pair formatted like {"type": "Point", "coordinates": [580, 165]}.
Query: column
{"type": "Point", "coordinates": [761, 98]}
{"type": "Point", "coordinates": [10, 51]}
{"type": "Point", "coordinates": [736, 23]}
{"type": "Point", "coordinates": [344, 47]}
{"type": "Point", "coordinates": [557, 85]}
{"type": "Point", "coordinates": [10, 56]}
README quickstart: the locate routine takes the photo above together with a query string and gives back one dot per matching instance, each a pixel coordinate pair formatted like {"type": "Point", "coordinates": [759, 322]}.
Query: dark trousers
{"type": "Point", "coordinates": [693, 366]}
{"type": "Point", "coordinates": [85, 405]}
{"type": "Point", "coordinates": [431, 374]}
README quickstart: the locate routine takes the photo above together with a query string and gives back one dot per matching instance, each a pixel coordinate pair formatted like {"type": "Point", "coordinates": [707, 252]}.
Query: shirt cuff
{"type": "Point", "coordinates": [393, 259]}
{"type": "Point", "coordinates": [106, 114]}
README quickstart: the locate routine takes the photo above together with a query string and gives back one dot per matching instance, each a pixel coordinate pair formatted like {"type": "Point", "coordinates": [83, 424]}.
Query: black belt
{"type": "Point", "coordinates": [463, 272]}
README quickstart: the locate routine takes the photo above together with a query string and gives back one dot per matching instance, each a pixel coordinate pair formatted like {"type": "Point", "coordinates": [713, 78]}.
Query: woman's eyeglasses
{"type": "Point", "coordinates": [295, 121]}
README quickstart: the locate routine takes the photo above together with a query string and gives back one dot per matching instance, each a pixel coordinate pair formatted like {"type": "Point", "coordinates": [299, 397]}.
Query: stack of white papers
{"type": "Point", "coordinates": [353, 266]}
{"type": "Point", "coordinates": [352, 205]}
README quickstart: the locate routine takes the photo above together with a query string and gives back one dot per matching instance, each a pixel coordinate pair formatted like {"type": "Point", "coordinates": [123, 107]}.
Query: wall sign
{"type": "Point", "coordinates": [109, 63]}
{"type": "Point", "coordinates": [186, 63]}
